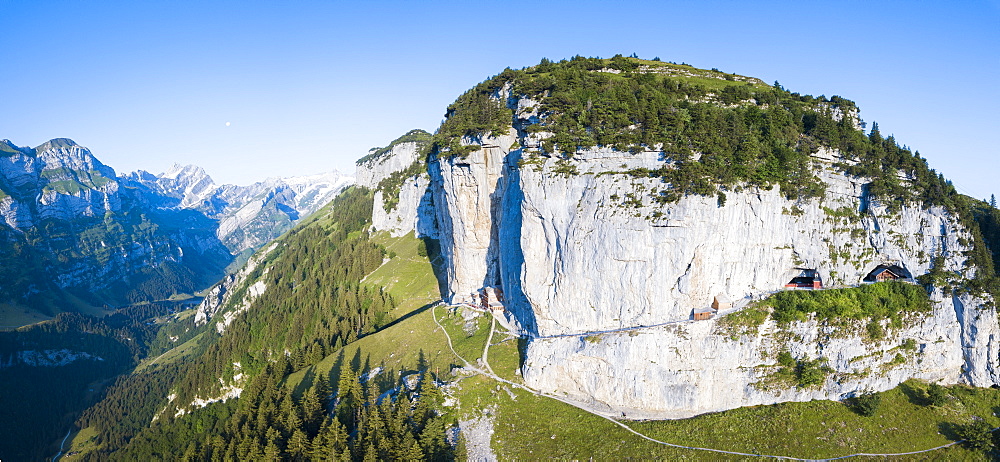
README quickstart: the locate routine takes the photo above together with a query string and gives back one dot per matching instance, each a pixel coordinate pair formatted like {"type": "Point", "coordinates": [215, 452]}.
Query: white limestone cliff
{"type": "Point", "coordinates": [468, 195]}
{"type": "Point", "coordinates": [603, 279]}
{"type": "Point", "coordinates": [579, 253]}
{"type": "Point", "coordinates": [413, 211]}
{"type": "Point", "coordinates": [673, 258]}
{"type": "Point", "coordinates": [692, 367]}
{"type": "Point", "coordinates": [222, 293]}
{"type": "Point", "coordinates": [399, 156]}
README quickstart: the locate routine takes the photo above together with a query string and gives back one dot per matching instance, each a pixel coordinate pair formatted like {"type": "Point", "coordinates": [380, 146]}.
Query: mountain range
{"type": "Point", "coordinates": [78, 237]}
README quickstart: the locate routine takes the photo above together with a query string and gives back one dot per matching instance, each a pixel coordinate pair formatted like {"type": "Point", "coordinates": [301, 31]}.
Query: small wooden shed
{"type": "Point", "coordinates": [884, 274]}
{"type": "Point", "coordinates": [722, 302]}
{"type": "Point", "coordinates": [807, 279]}
{"type": "Point", "coordinates": [888, 272]}
{"type": "Point", "coordinates": [701, 314]}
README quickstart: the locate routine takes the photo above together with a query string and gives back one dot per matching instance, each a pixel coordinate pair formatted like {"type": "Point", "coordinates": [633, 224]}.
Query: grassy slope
{"type": "Point", "coordinates": [407, 276]}
{"type": "Point", "coordinates": [529, 426]}
{"type": "Point", "coordinates": [14, 316]}
{"type": "Point", "coordinates": [710, 79]}
{"type": "Point", "coordinates": [174, 354]}
{"type": "Point", "coordinates": [411, 282]}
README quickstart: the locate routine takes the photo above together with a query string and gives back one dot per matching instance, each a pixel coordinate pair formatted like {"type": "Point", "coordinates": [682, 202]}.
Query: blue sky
{"type": "Point", "coordinates": [310, 86]}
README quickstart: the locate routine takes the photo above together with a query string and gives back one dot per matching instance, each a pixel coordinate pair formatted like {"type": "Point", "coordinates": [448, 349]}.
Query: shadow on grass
{"type": "Point", "coordinates": [404, 317]}
{"type": "Point", "coordinates": [949, 430]}
{"type": "Point", "coordinates": [305, 383]}
{"type": "Point", "coordinates": [915, 395]}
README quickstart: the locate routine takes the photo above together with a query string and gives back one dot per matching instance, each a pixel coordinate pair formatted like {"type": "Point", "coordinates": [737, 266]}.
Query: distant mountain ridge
{"type": "Point", "coordinates": [76, 235]}
{"type": "Point", "coordinates": [248, 216]}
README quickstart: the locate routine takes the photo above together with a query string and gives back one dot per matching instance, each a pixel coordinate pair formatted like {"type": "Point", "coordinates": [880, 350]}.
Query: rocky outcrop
{"type": "Point", "coordinates": [692, 367]}
{"type": "Point", "coordinates": [588, 260]}
{"type": "Point", "coordinates": [670, 259]}
{"type": "Point", "coordinates": [53, 358]}
{"type": "Point", "coordinates": [223, 293]}
{"type": "Point", "coordinates": [413, 209]}
{"type": "Point", "coordinates": [57, 180]}
{"type": "Point", "coordinates": [397, 156]}
{"type": "Point", "coordinates": [468, 195]}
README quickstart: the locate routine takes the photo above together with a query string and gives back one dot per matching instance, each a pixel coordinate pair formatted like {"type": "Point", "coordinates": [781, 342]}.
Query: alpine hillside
{"type": "Point", "coordinates": [579, 244]}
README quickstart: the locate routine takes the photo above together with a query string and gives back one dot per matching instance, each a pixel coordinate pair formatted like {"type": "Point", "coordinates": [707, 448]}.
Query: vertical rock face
{"type": "Point", "coordinates": [411, 208]}
{"type": "Point", "coordinates": [399, 155]}
{"type": "Point", "coordinates": [468, 194]}
{"type": "Point", "coordinates": [668, 260]}
{"type": "Point", "coordinates": [693, 367]}
{"type": "Point", "coordinates": [603, 279]}
{"type": "Point", "coordinates": [413, 213]}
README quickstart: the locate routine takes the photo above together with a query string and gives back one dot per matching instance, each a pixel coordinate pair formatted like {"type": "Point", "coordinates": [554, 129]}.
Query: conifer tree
{"type": "Point", "coordinates": [432, 440]}
{"type": "Point", "coordinates": [371, 455]}
{"type": "Point", "coordinates": [312, 408]}
{"type": "Point", "coordinates": [322, 444]}
{"type": "Point", "coordinates": [411, 450]}
{"type": "Point", "coordinates": [423, 410]}
{"type": "Point", "coordinates": [272, 453]}
{"type": "Point", "coordinates": [461, 449]}
{"type": "Point", "coordinates": [374, 428]}
{"type": "Point", "coordinates": [289, 412]}
{"type": "Point", "coordinates": [298, 446]}
{"type": "Point", "coordinates": [338, 435]}
{"type": "Point", "coordinates": [191, 453]}
{"type": "Point", "coordinates": [429, 400]}
{"type": "Point", "coordinates": [254, 451]}
{"type": "Point", "coordinates": [349, 393]}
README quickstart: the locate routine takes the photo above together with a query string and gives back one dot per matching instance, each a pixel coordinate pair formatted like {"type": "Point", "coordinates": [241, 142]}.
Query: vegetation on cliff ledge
{"type": "Point", "coordinates": [884, 300]}
{"type": "Point", "coordinates": [418, 136]}
{"type": "Point", "coordinates": [717, 131]}
{"type": "Point", "coordinates": [886, 303]}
